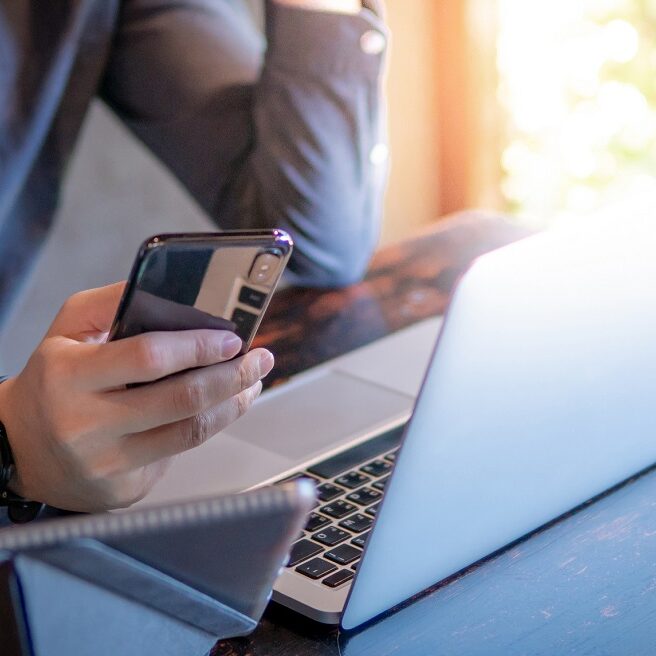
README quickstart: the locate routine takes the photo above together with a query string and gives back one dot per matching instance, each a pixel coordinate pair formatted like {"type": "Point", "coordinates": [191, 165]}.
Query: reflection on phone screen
{"type": "Point", "coordinates": [182, 286]}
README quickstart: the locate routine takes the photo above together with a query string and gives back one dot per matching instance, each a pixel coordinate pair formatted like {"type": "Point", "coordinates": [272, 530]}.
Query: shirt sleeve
{"type": "Point", "coordinates": [282, 129]}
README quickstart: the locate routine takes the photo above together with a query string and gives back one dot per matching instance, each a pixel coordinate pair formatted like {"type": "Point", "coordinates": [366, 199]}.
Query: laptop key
{"type": "Point", "coordinates": [381, 483]}
{"type": "Point", "coordinates": [328, 491]}
{"type": "Point", "coordinates": [339, 577]}
{"type": "Point", "coordinates": [338, 509]}
{"type": "Point", "coordinates": [315, 522]}
{"type": "Point", "coordinates": [377, 468]}
{"type": "Point", "coordinates": [343, 555]}
{"type": "Point", "coordinates": [391, 456]}
{"type": "Point", "coordinates": [360, 540]}
{"type": "Point", "coordinates": [365, 496]}
{"type": "Point", "coordinates": [355, 456]}
{"type": "Point", "coordinates": [331, 536]}
{"type": "Point", "coordinates": [316, 568]}
{"type": "Point", "coordinates": [352, 480]}
{"type": "Point", "coordinates": [373, 510]}
{"type": "Point", "coordinates": [302, 550]}
{"type": "Point", "coordinates": [357, 523]}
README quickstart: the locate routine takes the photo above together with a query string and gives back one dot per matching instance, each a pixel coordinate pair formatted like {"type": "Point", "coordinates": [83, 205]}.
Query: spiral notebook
{"type": "Point", "coordinates": [209, 563]}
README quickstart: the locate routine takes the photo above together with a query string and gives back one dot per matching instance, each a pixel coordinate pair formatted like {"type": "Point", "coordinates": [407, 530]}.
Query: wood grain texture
{"type": "Point", "coordinates": [585, 584]}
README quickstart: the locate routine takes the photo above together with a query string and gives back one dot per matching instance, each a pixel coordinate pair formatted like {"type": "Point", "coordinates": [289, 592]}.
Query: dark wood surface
{"type": "Point", "coordinates": [584, 585]}
{"type": "Point", "coordinates": [407, 282]}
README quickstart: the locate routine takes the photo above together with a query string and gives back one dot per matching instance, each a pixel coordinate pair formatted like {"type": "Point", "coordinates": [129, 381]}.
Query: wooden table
{"type": "Point", "coordinates": [586, 584]}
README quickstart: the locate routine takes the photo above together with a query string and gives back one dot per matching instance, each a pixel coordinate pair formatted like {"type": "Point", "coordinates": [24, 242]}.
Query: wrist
{"type": "Point", "coordinates": [8, 474]}
{"type": "Point", "coordinates": [19, 509]}
{"type": "Point", "coordinates": [10, 429]}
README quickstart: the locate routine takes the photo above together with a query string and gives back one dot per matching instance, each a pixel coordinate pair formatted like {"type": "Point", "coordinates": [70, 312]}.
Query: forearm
{"type": "Point", "coordinates": [290, 137]}
{"type": "Point", "coordinates": [318, 163]}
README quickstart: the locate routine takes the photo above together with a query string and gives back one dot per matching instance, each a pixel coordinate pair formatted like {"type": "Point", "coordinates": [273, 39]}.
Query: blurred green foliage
{"type": "Point", "coordinates": [578, 84]}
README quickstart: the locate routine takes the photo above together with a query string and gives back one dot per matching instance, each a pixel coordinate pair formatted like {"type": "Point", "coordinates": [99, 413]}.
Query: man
{"type": "Point", "coordinates": [284, 132]}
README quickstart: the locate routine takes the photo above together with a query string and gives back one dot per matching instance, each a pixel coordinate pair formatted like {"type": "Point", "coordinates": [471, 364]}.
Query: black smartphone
{"type": "Point", "coordinates": [221, 280]}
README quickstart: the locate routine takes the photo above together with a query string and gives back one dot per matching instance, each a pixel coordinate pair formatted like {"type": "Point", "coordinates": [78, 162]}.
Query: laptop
{"type": "Point", "coordinates": [536, 397]}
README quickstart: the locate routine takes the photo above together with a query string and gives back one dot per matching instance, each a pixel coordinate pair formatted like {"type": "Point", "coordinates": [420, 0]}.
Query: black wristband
{"type": "Point", "coordinates": [6, 456]}
{"type": "Point", "coordinates": [19, 510]}
{"type": "Point", "coordinates": [6, 460]}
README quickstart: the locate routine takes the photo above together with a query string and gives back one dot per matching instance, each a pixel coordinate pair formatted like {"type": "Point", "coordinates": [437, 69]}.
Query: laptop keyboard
{"type": "Point", "coordinates": [350, 487]}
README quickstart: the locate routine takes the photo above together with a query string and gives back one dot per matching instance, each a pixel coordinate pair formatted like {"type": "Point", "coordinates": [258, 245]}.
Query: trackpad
{"type": "Point", "coordinates": [313, 414]}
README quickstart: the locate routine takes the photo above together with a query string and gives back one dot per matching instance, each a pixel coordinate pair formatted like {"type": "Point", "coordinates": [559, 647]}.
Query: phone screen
{"type": "Point", "coordinates": [221, 283]}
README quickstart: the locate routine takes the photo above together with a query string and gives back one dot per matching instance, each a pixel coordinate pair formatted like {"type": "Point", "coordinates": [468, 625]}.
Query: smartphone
{"type": "Point", "coordinates": [221, 280]}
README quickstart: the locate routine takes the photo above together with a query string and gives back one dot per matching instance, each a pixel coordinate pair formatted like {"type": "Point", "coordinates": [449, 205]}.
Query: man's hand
{"type": "Point", "coordinates": [82, 440]}
{"type": "Point", "coordinates": [336, 6]}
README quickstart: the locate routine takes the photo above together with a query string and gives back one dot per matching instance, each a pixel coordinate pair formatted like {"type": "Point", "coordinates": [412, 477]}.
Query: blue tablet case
{"type": "Point", "coordinates": [166, 581]}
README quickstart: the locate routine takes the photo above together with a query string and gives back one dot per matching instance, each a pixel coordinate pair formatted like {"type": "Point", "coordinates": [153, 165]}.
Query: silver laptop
{"type": "Point", "coordinates": [538, 396]}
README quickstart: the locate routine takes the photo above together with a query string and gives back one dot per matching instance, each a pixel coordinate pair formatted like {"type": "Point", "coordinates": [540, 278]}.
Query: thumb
{"type": "Point", "coordinates": [88, 312]}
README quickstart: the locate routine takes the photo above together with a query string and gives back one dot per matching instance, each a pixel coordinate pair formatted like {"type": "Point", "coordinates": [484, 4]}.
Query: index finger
{"type": "Point", "coordinates": [151, 356]}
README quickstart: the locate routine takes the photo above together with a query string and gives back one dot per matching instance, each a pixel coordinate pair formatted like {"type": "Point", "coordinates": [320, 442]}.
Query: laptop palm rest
{"type": "Point", "coordinates": [317, 413]}
{"type": "Point", "coordinates": [312, 415]}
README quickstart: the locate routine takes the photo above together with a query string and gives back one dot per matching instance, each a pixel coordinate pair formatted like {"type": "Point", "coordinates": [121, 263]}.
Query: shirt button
{"type": "Point", "coordinates": [378, 154]}
{"type": "Point", "coordinates": [372, 42]}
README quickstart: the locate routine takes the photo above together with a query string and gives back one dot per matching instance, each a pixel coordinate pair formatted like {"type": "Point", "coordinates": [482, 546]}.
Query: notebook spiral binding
{"type": "Point", "coordinates": [52, 531]}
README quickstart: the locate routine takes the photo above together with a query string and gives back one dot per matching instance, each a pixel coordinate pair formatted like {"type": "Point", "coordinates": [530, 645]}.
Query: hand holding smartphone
{"type": "Point", "coordinates": [188, 281]}
{"type": "Point", "coordinates": [167, 392]}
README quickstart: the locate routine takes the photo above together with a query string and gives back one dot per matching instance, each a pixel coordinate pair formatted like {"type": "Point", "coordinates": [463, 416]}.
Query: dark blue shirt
{"type": "Point", "coordinates": [282, 129]}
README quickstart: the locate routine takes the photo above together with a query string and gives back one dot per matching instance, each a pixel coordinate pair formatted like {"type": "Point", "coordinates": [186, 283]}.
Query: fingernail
{"type": "Point", "coordinates": [266, 363]}
{"type": "Point", "coordinates": [230, 346]}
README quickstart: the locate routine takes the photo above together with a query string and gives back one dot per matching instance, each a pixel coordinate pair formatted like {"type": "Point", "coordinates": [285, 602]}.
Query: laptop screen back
{"type": "Point", "coordinates": [539, 396]}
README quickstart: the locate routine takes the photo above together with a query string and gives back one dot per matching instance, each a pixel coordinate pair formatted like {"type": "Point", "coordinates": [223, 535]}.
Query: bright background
{"type": "Point", "coordinates": [577, 87]}
{"type": "Point", "coordinates": [546, 110]}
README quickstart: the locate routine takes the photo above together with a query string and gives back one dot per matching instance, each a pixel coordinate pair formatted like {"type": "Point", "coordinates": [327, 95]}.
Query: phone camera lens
{"type": "Point", "coordinates": [264, 268]}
